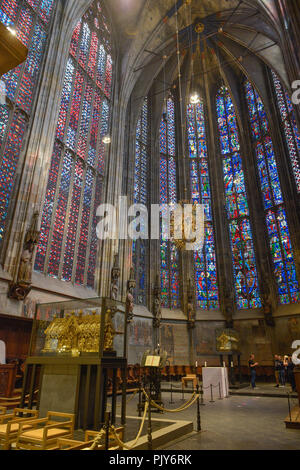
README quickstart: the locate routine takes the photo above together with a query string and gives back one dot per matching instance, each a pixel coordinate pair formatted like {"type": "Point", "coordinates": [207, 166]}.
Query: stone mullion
{"type": "Point", "coordinates": [154, 168]}
{"type": "Point", "coordinates": [285, 174]}
{"type": "Point", "coordinates": [75, 158]}
{"type": "Point", "coordinates": [55, 202]}
{"type": "Point", "coordinates": [58, 181]}
{"type": "Point", "coordinates": [221, 235]}
{"type": "Point", "coordinates": [275, 207]}
{"type": "Point", "coordinates": [87, 255]}
{"type": "Point", "coordinates": [148, 293]}
{"type": "Point", "coordinates": [239, 219]}
{"type": "Point", "coordinates": [257, 209]}
{"type": "Point", "coordinates": [86, 166]}
{"type": "Point", "coordinates": [180, 188]}
{"type": "Point", "coordinates": [11, 245]}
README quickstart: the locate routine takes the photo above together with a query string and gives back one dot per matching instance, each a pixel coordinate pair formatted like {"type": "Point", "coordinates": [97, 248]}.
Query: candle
{"type": "Point", "coordinates": [231, 364]}
{"type": "Point", "coordinates": [196, 364]}
{"type": "Point", "coordinates": [223, 364]}
{"type": "Point", "coordinates": [205, 364]}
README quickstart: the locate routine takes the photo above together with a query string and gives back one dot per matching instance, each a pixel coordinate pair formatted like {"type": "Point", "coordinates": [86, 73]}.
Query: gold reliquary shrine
{"type": "Point", "coordinates": [81, 327]}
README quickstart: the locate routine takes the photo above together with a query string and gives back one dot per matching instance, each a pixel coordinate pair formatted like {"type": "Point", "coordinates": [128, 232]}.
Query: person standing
{"type": "Point", "coordinates": [277, 369]}
{"type": "Point", "coordinates": [281, 372]}
{"type": "Point", "coordinates": [252, 366]}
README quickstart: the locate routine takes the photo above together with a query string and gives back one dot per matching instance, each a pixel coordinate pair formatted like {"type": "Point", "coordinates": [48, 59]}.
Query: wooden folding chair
{"type": "Point", "coordinates": [46, 431]}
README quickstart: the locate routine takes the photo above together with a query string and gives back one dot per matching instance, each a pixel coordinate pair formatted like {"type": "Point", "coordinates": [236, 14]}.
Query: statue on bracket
{"type": "Point", "coordinates": [115, 275]}
{"type": "Point", "coordinates": [228, 305]}
{"type": "Point", "coordinates": [129, 298]}
{"type": "Point", "coordinates": [191, 313]}
{"type": "Point", "coordinates": [157, 304]}
{"type": "Point", "coordinates": [266, 297]}
{"type": "Point", "coordinates": [20, 289]}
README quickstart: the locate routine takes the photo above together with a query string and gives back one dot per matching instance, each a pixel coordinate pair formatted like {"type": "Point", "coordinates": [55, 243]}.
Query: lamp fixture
{"type": "Point", "coordinates": [194, 98]}
{"type": "Point", "coordinates": [12, 31]}
{"type": "Point", "coordinates": [106, 139]}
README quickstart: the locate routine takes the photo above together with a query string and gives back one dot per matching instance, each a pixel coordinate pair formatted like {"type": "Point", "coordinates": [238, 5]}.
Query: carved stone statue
{"type": "Point", "coordinates": [115, 274]}
{"type": "Point", "coordinates": [129, 305]}
{"type": "Point", "coordinates": [228, 306]}
{"type": "Point", "coordinates": [190, 308]}
{"type": "Point", "coordinates": [129, 298]}
{"type": "Point", "coordinates": [22, 287]}
{"type": "Point", "coordinates": [266, 296]}
{"type": "Point", "coordinates": [157, 304]}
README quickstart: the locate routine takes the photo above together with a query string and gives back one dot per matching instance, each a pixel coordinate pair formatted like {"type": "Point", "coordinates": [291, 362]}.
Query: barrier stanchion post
{"type": "Point", "coordinates": [107, 426]}
{"type": "Point", "coordinates": [211, 394]}
{"type": "Point", "coordinates": [149, 435]}
{"type": "Point", "coordinates": [289, 407]}
{"type": "Point", "coordinates": [140, 400]}
{"type": "Point", "coordinates": [171, 402]}
{"type": "Point", "coordinates": [202, 396]}
{"type": "Point", "coordinates": [182, 391]}
{"type": "Point", "coordinates": [220, 394]}
{"type": "Point", "coordinates": [198, 411]}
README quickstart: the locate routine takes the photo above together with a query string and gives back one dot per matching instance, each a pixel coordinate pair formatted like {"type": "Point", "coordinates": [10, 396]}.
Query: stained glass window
{"type": "Point", "coordinates": [291, 131]}
{"type": "Point", "coordinates": [242, 248]}
{"type": "Point", "coordinates": [31, 20]}
{"type": "Point", "coordinates": [275, 214]}
{"type": "Point", "coordinates": [170, 287]}
{"type": "Point", "coordinates": [142, 160]}
{"type": "Point", "coordinates": [68, 244]}
{"type": "Point", "coordinates": [205, 260]}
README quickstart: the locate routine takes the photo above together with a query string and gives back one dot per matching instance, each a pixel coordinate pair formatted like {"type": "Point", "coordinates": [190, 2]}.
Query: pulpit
{"type": "Point", "coordinates": [76, 350]}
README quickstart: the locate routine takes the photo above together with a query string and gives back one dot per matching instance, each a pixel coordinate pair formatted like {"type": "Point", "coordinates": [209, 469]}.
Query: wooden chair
{"type": "Point", "coordinates": [190, 378]}
{"type": "Point", "coordinates": [10, 423]}
{"type": "Point", "coordinates": [3, 410]}
{"type": "Point", "coordinates": [69, 444]}
{"type": "Point", "coordinates": [46, 431]}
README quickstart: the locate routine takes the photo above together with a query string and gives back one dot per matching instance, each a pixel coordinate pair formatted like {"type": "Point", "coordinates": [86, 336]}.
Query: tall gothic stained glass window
{"type": "Point", "coordinates": [68, 244]}
{"type": "Point", "coordinates": [291, 131]}
{"type": "Point", "coordinates": [275, 214]}
{"type": "Point", "coordinates": [168, 195]}
{"type": "Point", "coordinates": [142, 160]}
{"type": "Point", "coordinates": [204, 260]}
{"type": "Point", "coordinates": [31, 20]}
{"type": "Point", "coordinates": [240, 230]}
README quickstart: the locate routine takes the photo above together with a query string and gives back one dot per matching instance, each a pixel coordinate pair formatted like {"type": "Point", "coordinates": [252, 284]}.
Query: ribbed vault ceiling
{"type": "Point", "coordinates": [238, 38]}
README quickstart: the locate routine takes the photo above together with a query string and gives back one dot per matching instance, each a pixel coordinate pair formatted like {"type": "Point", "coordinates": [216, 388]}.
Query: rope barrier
{"type": "Point", "coordinates": [184, 407]}
{"type": "Point", "coordinates": [98, 439]}
{"type": "Point", "coordinates": [122, 444]}
{"type": "Point", "coordinates": [102, 433]}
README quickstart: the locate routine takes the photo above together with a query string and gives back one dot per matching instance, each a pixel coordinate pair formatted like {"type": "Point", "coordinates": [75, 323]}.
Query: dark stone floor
{"type": "Point", "coordinates": [235, 423]}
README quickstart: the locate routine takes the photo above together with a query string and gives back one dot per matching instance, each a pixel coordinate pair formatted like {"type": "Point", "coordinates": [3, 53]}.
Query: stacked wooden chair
{"type": "Point", "coordinates": [10, 425]}
{"type": "Point", "coordinates": [45, 432]}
